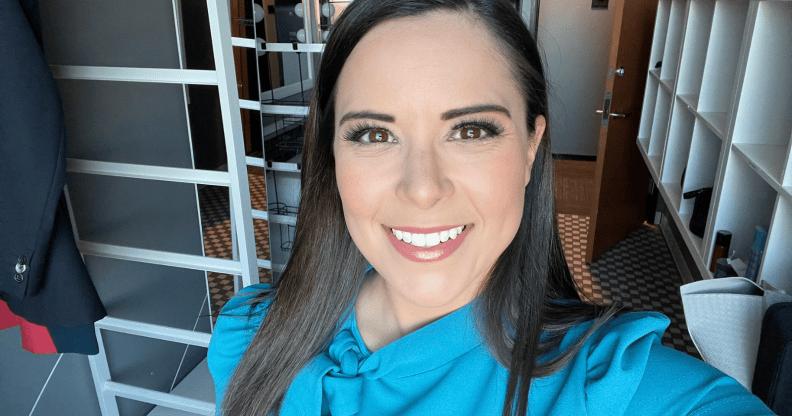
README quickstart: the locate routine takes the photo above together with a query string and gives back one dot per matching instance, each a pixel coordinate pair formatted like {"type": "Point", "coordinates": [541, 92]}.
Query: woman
{"type": "Point", "coordinates": [427, 157]}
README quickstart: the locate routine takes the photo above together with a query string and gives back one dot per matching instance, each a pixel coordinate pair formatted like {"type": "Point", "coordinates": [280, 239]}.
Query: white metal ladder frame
{"type": "Point", "coordinates": [245, 262]}
{"type": "Point", "coordinates": [314, 45]}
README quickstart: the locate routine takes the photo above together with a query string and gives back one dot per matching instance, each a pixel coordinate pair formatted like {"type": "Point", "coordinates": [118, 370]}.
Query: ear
{"type": "Point", "coordinates": [533, 145]}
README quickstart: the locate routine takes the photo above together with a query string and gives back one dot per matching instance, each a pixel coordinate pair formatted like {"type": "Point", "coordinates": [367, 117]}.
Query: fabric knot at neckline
{"type": "Point", "coordinates": [346, 353]}
{"type": "Point", "coordinates": [342, 384]}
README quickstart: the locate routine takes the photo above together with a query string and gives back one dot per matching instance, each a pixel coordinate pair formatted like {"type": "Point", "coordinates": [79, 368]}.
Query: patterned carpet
{"type": "Point", "coordinates": [638, 272]}
{"type": "Point", "coordinates": [216, 223]}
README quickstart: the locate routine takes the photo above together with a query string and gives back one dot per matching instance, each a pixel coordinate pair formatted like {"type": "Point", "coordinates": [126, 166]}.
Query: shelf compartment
{"type": "Point", "coordinates": [694, 47]}
{"type": "Point", "coordinates": [674, 191]}
{"type": "Point", "coordinates": [695, 243]}
{"type": "Point", "coordinates": [776, 266]}
{"type": "Point", "coordinates": [660, 124]}
{"type": "Point", "coordinates": [660, 32]}
{"type": "Point", "coordinates": [679, 141]}
{"type": "Point", "coordinates": [723, 54]}
{"type": "Point", "coordinates": [691, 101]}
{"type": "Point", "coordinates": [745, 202]}
{"type": "Point", "coordinates": [717, 122]}
{"type": "Point", "coordinates": [647, 114]}
{"type": "Point", "coordinates": [766, 160]}
{"type": "Point", "coordinates": [702, 163]}
{"type": "Point", "coordinates": [672, 194]}
{"type": "Point", "coordinates": [648, 161]}
{"type": "Point", "coordinates": [655, 73]}
{"type": "Point", "coordinates": [667, 84]}
{"type": "Point", "coordinates": [676, 24]}
{"type": "Point", "coordinates": [764, 114]}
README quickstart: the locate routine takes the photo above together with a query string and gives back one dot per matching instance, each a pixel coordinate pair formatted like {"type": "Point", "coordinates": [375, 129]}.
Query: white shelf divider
{"type": "Point", "coordinates": [678, 147]}
{"type": "Point", "coordinates": [647, 118]}
{"type": "Point", "coordinates": [660, 125]}
{"type": "Point", "coordinates": [776, 266]}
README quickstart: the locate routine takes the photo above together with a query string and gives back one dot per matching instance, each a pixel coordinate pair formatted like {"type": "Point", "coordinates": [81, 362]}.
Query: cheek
{"type": "Point", "coordinates": [357, 188]}
{"type": "Point", "coordinates": [501, 187]}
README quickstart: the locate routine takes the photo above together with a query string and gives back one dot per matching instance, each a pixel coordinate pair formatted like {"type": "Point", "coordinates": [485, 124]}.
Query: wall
{"type": "Point", "coordinates": [575, 42]}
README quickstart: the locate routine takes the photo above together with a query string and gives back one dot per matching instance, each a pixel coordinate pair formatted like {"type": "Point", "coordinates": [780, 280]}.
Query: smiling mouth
{"type": "Point", "coordinates": [437, 244]}
{"type": "Point", "coordinates": [428, 240]}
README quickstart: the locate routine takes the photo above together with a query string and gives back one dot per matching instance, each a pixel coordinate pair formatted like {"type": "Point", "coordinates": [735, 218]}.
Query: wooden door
{"type": "Point", "coordinates": [239, 30]}
{"type": "Point", "coordinates": [621, 178]}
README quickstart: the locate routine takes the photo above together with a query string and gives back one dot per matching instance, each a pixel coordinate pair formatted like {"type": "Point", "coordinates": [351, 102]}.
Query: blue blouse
{"type": "Point", "coordinates": [445, 368]}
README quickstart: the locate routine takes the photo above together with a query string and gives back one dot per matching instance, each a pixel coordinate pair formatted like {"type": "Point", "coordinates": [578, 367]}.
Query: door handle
{"type": "Point", "coordinates": [617, 115]}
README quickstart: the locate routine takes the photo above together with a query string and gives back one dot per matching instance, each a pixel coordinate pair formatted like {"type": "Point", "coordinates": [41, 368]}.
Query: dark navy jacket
{"type": "Point", "coordinates": [42, 276]}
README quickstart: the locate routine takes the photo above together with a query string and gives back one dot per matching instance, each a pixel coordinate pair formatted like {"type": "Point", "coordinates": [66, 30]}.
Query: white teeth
{"type": "Point", "coordinates": [427, 240]}
{"type": "Point", "coordinates": [432, 239]}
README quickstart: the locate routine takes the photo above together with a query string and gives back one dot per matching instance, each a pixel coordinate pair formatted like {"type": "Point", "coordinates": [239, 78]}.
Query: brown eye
{"type": "Point", "coordinates": [471, 133]}
{"type": "Point", "coordinates": [377, 136]}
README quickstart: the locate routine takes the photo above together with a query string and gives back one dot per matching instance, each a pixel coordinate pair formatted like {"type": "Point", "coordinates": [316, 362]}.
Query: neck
{"type": "Point", "coordinates": [383, 316]}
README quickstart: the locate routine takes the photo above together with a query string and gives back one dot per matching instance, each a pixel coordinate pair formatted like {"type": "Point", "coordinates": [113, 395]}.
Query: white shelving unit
{"type": "Point", "coordinates": [718, 112]}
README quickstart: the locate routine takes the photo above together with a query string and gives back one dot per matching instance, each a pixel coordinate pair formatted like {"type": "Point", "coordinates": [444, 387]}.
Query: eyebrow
{"type": "Point", "coordinates": [448, 115]}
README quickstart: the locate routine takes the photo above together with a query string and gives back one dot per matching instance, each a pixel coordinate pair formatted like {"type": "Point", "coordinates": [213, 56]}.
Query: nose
{"type": "Point", "coordinates": [424, 180]}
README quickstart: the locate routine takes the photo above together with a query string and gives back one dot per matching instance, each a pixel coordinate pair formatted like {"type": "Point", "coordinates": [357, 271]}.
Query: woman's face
{"type": "Point", "coordinates": [431, 136]}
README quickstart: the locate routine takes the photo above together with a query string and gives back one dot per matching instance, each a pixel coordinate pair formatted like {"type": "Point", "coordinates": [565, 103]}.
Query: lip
{"type": "Point", "coordinates": [415, 230]}
{"type": "Point", "coordinates": [425, 255]}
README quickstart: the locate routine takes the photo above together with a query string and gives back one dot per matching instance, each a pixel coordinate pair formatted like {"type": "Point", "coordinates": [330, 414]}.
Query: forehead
{"type": "Point", "coordinates": [426, 64]}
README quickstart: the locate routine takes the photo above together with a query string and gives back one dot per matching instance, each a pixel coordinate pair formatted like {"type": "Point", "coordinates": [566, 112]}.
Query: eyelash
{"type": "Point", "coordinates": [492, 128]}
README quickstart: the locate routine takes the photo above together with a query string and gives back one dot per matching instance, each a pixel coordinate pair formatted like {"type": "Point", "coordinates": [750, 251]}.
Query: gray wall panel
{"type": "Point", "coordinates": [138, 33]}
{"type": "Point", "coordinates": [70, 390]}
{"type": "Point", "coordinates": [135, 212]}
{"type": "Point", "coordinates": [147, 363]}
{"type": "Point", "coordinates": [150, 293]}
{"type": "Point", "coordinates": [126, 122]}
{"type": "Point", "coordinates": [22, 374]}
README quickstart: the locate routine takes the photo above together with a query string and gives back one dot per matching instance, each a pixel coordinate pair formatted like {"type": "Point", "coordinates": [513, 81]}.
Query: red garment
{"type": "Point", "coordinates": [35, 338]}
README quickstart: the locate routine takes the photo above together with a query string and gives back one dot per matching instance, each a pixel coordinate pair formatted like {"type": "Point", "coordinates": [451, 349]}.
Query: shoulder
{"type": "Point", "coordinates": [235, 328]}
{"type": "Point", "coordinates": [625, 359]}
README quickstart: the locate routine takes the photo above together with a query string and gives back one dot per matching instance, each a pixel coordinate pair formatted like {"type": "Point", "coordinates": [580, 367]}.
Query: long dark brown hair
{"type": "Point", "coordinates": [519, 301]}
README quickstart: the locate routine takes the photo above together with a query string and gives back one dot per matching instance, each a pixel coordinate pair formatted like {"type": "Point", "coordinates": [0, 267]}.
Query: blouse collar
{"type": "Point", "coordinates": [424, 349]}
{"type": "Point", "coordinates": [333, 381]}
